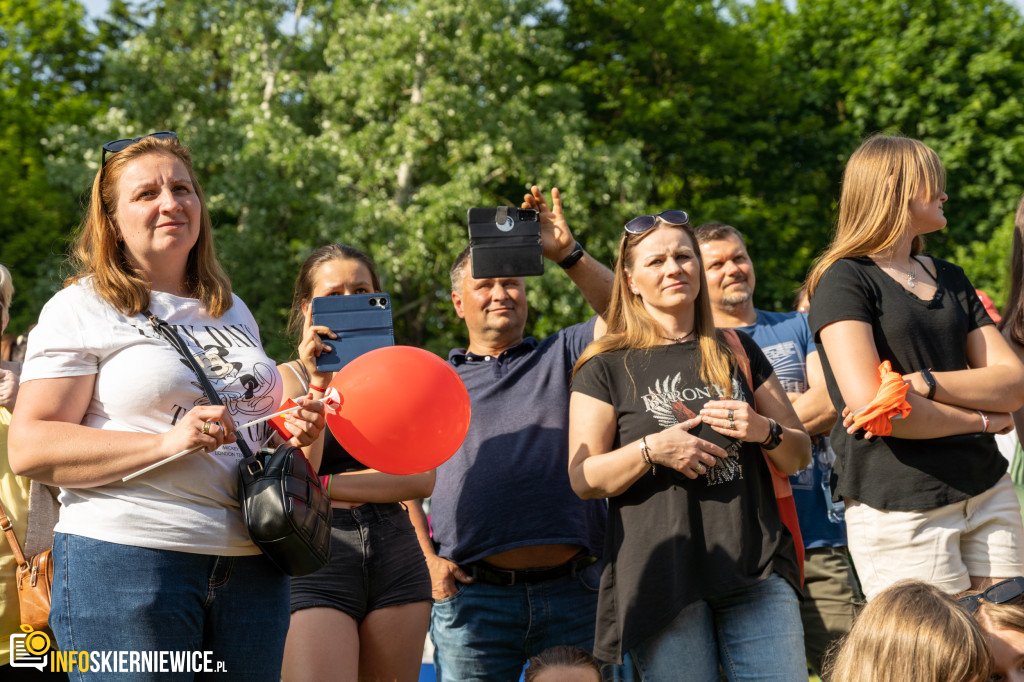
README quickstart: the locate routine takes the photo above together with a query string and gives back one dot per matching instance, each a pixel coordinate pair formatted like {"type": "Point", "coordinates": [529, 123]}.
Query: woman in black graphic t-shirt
{"type": "Point", "coordinates": [930, 501]}
{"type": "Point", "coordinates": [662, 422]}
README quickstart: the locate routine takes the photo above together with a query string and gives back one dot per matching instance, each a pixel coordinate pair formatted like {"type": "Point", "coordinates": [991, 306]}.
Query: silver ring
{"type": "Point", "coordinates": [732, 424]}
{"type": "Point", "coordinates": [730, 415]}
{"type": "Point", "coordinates": [206, 428]}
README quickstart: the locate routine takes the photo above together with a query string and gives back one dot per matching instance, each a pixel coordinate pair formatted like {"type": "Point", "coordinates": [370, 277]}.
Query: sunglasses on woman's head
{"type": "Point", "coordinates": [115, 146]}
{"type": "Point", "coordinates": [1000, 593]}
{"type": "Point", "coordinates": [641, 224]}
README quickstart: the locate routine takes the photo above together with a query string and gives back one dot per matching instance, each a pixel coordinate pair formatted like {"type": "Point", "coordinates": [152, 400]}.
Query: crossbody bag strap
{"type": "Point", "coordinates": [167, 331]}
{"type": "Point", "coordinates": [780, 481]}
{"type": "Point", "coordinates": [8, 528]}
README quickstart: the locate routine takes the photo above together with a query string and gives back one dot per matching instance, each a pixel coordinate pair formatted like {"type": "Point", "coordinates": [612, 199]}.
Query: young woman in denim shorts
{"type": "Point", "coordinates": [931, 501]}
{"type": "Point", "coordinates": [366, 614]}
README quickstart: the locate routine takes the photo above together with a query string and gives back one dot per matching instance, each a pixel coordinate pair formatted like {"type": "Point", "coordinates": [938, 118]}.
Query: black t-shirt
{"type": "Point", "coordinates": [672, 540]}
{"type": "Point", "coordinates": [913, 334]}
{"type": "Point", "coordinates": [336, 459]}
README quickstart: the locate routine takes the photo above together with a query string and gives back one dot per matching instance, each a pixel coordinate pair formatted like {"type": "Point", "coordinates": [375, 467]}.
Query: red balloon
{"type": "Point", "coordinates": [403, 410]}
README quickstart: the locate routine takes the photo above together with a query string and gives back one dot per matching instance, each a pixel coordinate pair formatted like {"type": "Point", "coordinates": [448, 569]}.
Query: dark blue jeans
{"type": "Point", "coordinates": [488, 632]}
{"type": "Point", "coordinates": [111, 598]}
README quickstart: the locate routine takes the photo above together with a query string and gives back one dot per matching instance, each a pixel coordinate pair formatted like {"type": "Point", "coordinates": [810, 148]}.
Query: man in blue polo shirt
{"type": "Point", "coordinates": [513, 553]}
{"type": "Point", "coordinates": [831, 593]}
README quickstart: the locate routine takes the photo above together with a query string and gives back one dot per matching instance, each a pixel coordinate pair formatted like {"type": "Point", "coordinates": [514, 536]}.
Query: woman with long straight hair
{"type": "Point", "coordinates": [668, 423]}
{"type": "Point", "coordinates": [365, 615]}
{"type": "Point", "coordinates": [930, 501]}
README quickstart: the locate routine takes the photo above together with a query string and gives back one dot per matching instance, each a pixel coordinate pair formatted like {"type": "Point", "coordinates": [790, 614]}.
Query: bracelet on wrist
{"type": "Point", "coordinates": [574, 257]}
{"type": "Point", "coordinates": [645, 452]}
{"type": "Point", "coordinates": [929, 379]}
{"type": "Point", "coordinates": [320, 389]}
{"type": "Point", "coordinates": [774, 437]}
{"type": "Point", "coordinates": [984, 421]}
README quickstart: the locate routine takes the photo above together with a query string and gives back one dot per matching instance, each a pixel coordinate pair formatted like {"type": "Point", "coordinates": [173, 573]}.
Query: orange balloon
{"type": "Point", "coordinates": [403, 410]}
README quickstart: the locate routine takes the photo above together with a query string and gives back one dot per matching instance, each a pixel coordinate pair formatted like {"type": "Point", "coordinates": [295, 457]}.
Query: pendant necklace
{"type": "Point", "coordinates": [678, 339]}
{"type": "Point", "coordinates": [911, 274]}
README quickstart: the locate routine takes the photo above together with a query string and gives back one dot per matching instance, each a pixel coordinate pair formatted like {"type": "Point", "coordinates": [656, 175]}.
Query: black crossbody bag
{"type": "Point", "coordinates": [285, 508]}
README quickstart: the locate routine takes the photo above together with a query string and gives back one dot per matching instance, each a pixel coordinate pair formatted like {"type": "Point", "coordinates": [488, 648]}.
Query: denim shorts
{"type": "Point", "coordinates": [376, 561]}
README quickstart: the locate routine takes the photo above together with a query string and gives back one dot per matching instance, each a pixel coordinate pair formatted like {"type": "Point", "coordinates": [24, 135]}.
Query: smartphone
{"type": "Point", "coordinates": [505, 242]}
{"type": "Point", "coordinates": [362, 323]}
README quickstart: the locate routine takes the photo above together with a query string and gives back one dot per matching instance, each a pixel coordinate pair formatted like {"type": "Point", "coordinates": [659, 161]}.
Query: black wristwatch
{"type": "Point", "coordinates": [573, 258]}
{"type": "Point", "coordinates": [774, 435]}
{"type": "Point", "coordinates": [929, 379]}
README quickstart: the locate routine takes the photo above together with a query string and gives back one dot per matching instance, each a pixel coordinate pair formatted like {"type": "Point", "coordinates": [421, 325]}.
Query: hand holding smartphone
{"type": "Point", "coordinates": [505, 242]}
{"type": "Point", "coordinates": [362, 322]}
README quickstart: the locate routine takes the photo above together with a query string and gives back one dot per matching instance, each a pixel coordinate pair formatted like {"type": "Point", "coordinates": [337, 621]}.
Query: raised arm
{"type": "Point", "coordinates": [854, 361]}
{"type": "Point", "coordinates": [593, 279]}
{"type": "Point", "coordinates": [994, 383]}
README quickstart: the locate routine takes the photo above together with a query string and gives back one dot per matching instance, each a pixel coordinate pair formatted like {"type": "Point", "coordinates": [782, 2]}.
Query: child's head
{"type": "Point", "coordinates": [1002, 621]}
{"type": "Point", "coordinates": [913, 631]}
{"type": "Point", "coordinates": [563, 664]}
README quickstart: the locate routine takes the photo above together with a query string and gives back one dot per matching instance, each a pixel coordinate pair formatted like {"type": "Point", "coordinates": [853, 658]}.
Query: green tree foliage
{"type": "Point", "coordinates": [379, 123]}
{"type": "Point", "coordinates": [947, 72]}
{"type": "Point", "coordinates": [48, 69]}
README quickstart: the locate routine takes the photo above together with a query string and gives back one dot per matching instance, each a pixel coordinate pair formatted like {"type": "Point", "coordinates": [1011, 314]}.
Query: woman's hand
{"type": "Point", "coordinates": [306, 423]}
{"type": "Point", "coordinates": [680, 450]}
{"type": "Point", "coordinates": [205, 426]}
{"type": "Point", "coordinates": [8, 388]}
{"type": "Point", "coordinates": [310, 348]}
{"type": "Point", "coordinates": [736, 419]}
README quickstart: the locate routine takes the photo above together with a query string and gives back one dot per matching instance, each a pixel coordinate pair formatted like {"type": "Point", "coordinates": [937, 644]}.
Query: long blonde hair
{"type": "Point", "coordinates": [912, 631]}
{"type": "Point", "coordinates": [881, 178]}
{"type": "Point", "coordinates": [100, 252]}
{"type": "Point", "coordinates": [631, 326]}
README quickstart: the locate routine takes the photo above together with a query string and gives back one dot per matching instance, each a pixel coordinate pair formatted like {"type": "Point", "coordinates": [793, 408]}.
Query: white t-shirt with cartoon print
{"type": "Point", "coordinates": [144, 385]}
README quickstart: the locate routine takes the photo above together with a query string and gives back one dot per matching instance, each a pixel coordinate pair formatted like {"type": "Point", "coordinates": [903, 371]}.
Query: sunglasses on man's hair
{"type": "Point", "coordinates": [1000, 593]}
{"type": "Point", "coordinates": [641, 224]}
{"type": "Point", "coordinates": [115, 146]}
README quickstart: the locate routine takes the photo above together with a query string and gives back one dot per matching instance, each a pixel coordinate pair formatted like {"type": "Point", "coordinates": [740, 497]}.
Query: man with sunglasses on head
{"type": "Point", "coordinates": [831, 592]}
{"type": "Point", "coordinates": [513, 554]}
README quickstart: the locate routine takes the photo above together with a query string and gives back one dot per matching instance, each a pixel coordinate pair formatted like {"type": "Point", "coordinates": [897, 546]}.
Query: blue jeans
{"type": "Point", "coordinates": [488, 632]}
{"type": "Point", "coordinates": [110, 598]}
{"type": "Point", "coordinates": [754, 634]}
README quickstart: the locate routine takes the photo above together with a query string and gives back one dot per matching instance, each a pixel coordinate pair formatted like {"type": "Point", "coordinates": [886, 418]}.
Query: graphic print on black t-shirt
{"type": "Point", "coordinates": [671, 404]}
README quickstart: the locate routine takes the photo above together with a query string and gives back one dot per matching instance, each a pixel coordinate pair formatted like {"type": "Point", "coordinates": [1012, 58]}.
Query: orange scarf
{"type": "Point", "coordinates": [890, 402]}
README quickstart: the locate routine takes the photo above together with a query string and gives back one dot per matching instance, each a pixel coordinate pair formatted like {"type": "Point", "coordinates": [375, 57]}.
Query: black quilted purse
{"type": "Point", "coordinates": [286, 510]}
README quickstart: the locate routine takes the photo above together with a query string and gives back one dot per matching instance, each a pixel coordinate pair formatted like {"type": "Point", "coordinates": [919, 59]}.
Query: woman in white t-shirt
{"type": "Point", "coordinates": [163, 562]}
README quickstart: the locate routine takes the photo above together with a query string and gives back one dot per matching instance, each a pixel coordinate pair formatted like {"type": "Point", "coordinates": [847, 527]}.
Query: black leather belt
{"type": "Point", "coordinates": [482, 572]}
